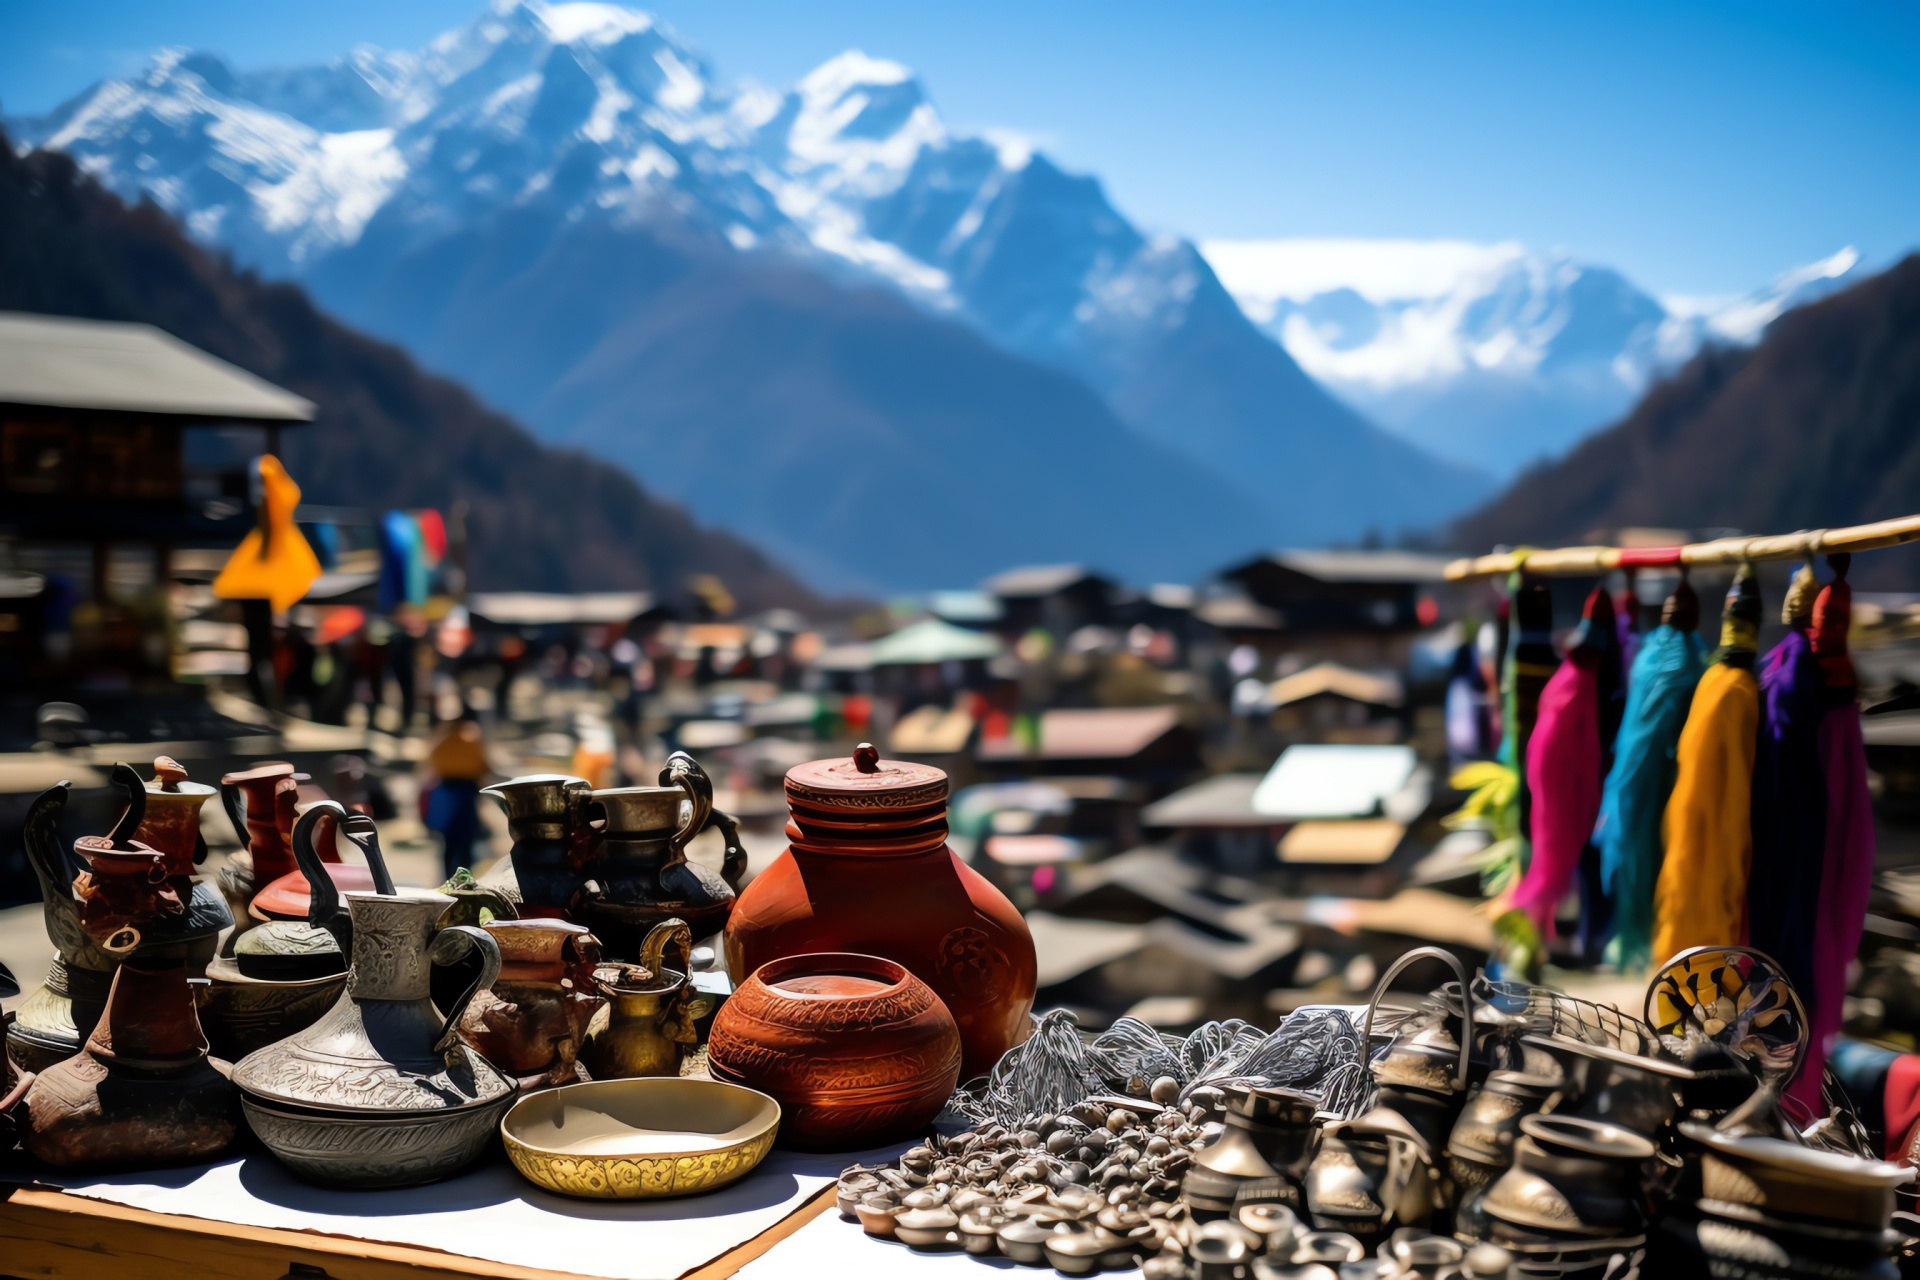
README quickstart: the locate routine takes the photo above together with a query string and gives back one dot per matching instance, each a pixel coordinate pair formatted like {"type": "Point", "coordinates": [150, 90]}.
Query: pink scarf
{"type": "Point", "coordinates": [1563, 775]}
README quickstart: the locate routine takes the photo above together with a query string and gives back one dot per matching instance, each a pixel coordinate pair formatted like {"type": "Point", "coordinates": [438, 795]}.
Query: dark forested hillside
{"type": "Point", "coordinates": [388, 434]}
{"type": "Point", "coordinates": [1817, 426]}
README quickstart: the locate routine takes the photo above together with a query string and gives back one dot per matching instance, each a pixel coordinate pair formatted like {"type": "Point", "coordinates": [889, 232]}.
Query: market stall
{"type": "Point", "coordinates": [307, 1069]}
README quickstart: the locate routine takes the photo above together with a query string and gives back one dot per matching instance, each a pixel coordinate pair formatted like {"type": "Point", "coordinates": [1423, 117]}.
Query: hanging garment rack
{"type": "Point", "coordinates": [1570, 562]}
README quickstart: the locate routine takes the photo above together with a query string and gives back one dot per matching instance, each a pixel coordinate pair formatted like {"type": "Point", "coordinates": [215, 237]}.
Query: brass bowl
{"type": "Point", "coordinates": [639, 1139]}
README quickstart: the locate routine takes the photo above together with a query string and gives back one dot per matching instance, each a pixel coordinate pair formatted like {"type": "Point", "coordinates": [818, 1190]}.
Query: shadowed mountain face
{"type": "Point", "coordinates": [387, 434]}
{"type": "Point", "coordinates": [1817, 426]}
{"type": "Point", "coordinates": [559, 205]}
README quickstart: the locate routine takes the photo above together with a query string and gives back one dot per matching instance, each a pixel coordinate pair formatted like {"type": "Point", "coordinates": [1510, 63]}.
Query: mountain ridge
{"type": "Point", "coordinates": [1815, 426]}
{"type": "Point", "coordinates": [597, 119]}
{"type": "Point", "coordinates": [538, 518]}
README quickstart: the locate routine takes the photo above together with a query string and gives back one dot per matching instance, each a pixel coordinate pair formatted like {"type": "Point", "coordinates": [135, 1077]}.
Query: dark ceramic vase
{"type": "Point", "coordinates": [553, 841]}
{"type": "Point", "coordinates": [642, 875]}
{"type": "Point", "coordinates": [856, 1050]}
{"type": "Point", "coordinates": [868, 870]}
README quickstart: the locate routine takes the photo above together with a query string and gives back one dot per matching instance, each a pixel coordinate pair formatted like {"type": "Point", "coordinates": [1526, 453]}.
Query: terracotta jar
{"type": "Point", "coordinates": [649, 1027]}
{"type": "Point", "coordinates": [533, 1021]}
{"type": "Point", "coordinates": [855, 1049]}
{"type": "Point", "coordinates": [642, 876]}
{"type": "Point", "coordinates": [553, 841]}
{"type": "Point", "coordinates": [868, 870]}
{"type": "Point", "coordinates": [253, 804]}
{"type": "Point", "coordinates": [121, 890]}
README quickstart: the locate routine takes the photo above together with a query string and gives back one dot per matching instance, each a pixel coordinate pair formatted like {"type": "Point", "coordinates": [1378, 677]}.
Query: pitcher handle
{"type": "Point", "coordinates": [135, 813]}
{"type": "Point", "coordinates": [448, 946]}
{"type": "Point", "coordinates": [323, 896]}
{"type": "Point", "coordinates": [45, 852]}
{"type": "Point", "coordinates": [234, 801]}
{"type": "Point", "coordinates": [684, 771]}
{"type": "Point", "coordinates": [734, 865]}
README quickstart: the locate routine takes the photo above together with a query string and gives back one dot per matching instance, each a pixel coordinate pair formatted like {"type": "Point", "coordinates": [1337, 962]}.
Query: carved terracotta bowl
{"type": "Point", "coordinates": [639, 1139]}
{"type": "Point", "coordinates": [856, 1049]}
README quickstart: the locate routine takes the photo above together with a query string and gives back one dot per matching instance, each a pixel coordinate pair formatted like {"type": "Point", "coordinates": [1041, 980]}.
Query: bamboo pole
{"type": "Point", "coordinates": [1571, 562]}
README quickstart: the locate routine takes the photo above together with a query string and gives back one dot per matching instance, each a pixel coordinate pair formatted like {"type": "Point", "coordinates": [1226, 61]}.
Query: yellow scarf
{"type": "Point", "coordinates": [1701, 898]}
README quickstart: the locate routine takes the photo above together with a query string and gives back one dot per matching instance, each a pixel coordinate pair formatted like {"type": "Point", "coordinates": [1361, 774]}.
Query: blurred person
{"type": "Point", "coordinates": [456, 766]}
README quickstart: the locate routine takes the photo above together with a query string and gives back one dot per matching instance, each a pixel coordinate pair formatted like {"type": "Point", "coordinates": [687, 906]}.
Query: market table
{"type": "Point", "coordinates": [249, 1219]}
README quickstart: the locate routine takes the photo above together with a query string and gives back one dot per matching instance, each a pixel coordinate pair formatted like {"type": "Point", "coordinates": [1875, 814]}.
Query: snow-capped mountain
{"type": "Point", "coordinates": [529, 202]}
{"type": "Point", "coordinates": [1491, 355]}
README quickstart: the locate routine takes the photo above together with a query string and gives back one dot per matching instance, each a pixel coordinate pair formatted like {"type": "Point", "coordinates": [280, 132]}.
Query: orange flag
{"type": "Point", "coordinates": [274, 561]}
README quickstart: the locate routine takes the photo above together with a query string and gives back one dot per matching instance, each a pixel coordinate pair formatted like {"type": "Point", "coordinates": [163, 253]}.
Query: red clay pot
{"type": "Point", "coordinates": [270, 817]}
{"type": "Point", "coordinates": [868, 870]}
{"type": "Point", "coordinates": [856, 1050]}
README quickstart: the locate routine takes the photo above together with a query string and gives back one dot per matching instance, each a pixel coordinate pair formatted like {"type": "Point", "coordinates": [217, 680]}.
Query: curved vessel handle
{"type": "Point", "coordinates": [448, 946]}
{"type": "Point", "coordinates": [124, 777]}
{"type": "Point", "coordinates": [734, 865]}
{"type": "Point", "coordinates": [1466, 1003]}
{"type": "Point", "coordinates": [360, 829]}
{"type": "Point", "coordinates": [234, 801]}
{"type": "Point", "coordinates": [323, 896]}
{"type": "Point", "coordinates": [583, 838]}
{"type": "Point", "coordinates": [684, 771]}
{"type": "Point", "coordinates": [671, 932]}
{"type": "Point", "coordinates": [45, 852]}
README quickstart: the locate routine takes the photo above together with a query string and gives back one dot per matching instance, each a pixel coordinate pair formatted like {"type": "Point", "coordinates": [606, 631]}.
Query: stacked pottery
{"type": "Point", "coordinates": [648, 1028]}
{"type": "Point", "coordinates": [1574, 1192]}
{"type": "Point", "coordinates": [166, 817]}
{"type": "Point", "coordinates": [855, 1049]}
{"type": "Point", "coordinates": [1480, 1147]}
{"type": "Point", "coordinates": [643, 876]}
{"type": "Point", "coordinates": [532, 1022]}
{"type": "Point", "coordinates": [381, 1091]}
{"type": "Point", "coordinates": [554, 842]}
{"type": "Point", "coordinates": [1260, 1159]}
{"type": "Point", "coordinates": [1774, 1210]}
{"type": "Point", "coordinates": [278, 978]}
{"type": "Point", "coordinates": [868, 870]}
{"type": "Point", "coordinates": [141, 1091]}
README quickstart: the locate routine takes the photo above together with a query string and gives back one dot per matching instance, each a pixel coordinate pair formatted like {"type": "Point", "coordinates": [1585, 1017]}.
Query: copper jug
{"type": "Point", "coordinates": [532, 1022]}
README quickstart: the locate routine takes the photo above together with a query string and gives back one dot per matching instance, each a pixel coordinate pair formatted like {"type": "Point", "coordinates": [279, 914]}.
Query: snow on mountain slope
{"type": "Point", "coordinates": [1492, 355]}
{"type": "Point", "coordinates": [414, 190]}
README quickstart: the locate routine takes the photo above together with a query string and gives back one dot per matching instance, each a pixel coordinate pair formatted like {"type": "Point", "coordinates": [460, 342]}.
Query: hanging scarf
{"type": "Point", "coordinates": [1789, 799]}
{"type": "Point", "coordinates": [1626, 612]}
{"type": "Point", "coordinates": [1701, 897]}
{"type": "Point", "coordinates": [1566, 763]}
{"type": "Point", "coordinates": [1530, 661]}
{"type": "Point", "coordinates": [1658, 694]}
{"type": "Point", "coordinates": [1846, 870]}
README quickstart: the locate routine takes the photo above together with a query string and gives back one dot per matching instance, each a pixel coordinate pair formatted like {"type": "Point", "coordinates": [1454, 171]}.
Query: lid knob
{"type": "Point", "coordinates": [866, 758]}
{"type": "Point", "coordinates": [168, 773]}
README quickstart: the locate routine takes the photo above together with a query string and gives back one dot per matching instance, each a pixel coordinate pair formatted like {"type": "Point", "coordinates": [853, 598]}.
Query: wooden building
{"type": "Point", "coordinates": [97, 492]}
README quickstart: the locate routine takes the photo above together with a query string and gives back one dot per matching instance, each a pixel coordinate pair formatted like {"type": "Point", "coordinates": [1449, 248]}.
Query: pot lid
{"type": "Point", "coordinates": [866, 782]}
{"type": "Point", "coordinates": [1790, 1157]}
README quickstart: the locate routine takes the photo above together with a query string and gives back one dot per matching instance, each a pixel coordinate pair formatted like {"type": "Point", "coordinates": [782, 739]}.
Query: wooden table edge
{"type": "Point", "coordinates": [46, 1215]}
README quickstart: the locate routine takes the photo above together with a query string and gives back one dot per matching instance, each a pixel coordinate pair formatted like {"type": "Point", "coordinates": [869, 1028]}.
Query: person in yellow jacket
{"type": "Point", "coordinates": [1701, 896]}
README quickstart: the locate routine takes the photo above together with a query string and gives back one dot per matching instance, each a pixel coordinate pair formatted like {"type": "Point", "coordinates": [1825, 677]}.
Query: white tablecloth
{"type": "Point", "coordinates": [492, 1213]}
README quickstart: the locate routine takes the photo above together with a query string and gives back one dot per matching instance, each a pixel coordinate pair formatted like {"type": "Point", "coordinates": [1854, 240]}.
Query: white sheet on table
{"type": "Point", "coordinates": [830, 1248]}
{"type": "Point", "coordinates": [491, 1213]}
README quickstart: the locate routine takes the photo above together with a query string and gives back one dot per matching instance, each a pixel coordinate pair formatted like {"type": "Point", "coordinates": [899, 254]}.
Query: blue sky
{"type": "Point", "coordinates": [1700, 148]}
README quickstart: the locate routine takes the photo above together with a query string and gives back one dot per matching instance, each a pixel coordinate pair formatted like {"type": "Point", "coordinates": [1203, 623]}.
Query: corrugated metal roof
{"type": "Point", "coordinates": [95, 364]}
